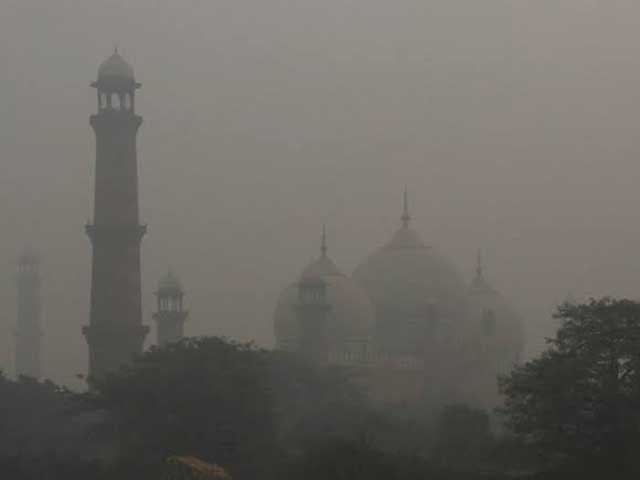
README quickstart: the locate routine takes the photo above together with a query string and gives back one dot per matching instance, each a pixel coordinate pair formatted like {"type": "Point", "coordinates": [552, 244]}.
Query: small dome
{"type": "Point", "coordinates": [115, 68]}
{"type": "Point", "coordinates": [169, 284]}
{"type": "Point", "coordinates": [350, 317]}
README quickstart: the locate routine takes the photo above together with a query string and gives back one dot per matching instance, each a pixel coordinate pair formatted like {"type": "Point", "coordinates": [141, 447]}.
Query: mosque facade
{"type": "Point", "coordinates": [406, 322]}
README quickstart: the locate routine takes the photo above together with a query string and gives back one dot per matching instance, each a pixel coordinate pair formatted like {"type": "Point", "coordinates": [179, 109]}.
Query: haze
{"type": "Point", "coordinates": [513, 124]}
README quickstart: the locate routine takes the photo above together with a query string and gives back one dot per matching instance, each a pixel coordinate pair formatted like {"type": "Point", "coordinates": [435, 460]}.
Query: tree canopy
{"type": "Point", "coordinates": [204, 397]}
{"type": "Point", "coordinates": [227, 403]}
{"type": "Point", "coordinates": [580, 400]}
{"type": "Point", "coordinates": [256, 413]}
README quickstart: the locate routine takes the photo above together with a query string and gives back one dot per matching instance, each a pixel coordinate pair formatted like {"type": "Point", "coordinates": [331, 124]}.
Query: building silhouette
{"type": "Point", "coordinates": [170, 314]}
{"type": "Point", "coordinates": [323, 312]}
{"type": "Point", "coordinates": [28, 332]}
{"type": "Point", "coordinates": [115, 332]}
{"type": "Point", "coordinates": [406, 322]}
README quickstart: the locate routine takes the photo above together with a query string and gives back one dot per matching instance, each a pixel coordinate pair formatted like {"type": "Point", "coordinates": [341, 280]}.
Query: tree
{"type": "Point", "coordinates": [463, 436]}
{"type": "Point", "coordinates": [580, 400]}
{"type": "Point", "coordinates": [31, 415]}
{"type": "Point", "coordinates": [228, 403]}
{"type": "Point", "coordinates": [204, 397]}
{"type": "Point", "coordinates": [315, 402]}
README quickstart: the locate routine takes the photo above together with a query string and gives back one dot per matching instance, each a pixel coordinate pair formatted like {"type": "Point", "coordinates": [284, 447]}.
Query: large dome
{"type": "Point", "coordinates": [350, 317]}
{"type": "Point", "coordinates": [417, 293]}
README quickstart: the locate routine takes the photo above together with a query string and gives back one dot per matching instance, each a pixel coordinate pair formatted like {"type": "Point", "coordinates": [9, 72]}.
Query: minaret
{"type": "Point", "coordinates": [171, 315]}
{"type": "Point", "coordinates": [479, 265]}
{"type": "Point", "coordinates": [313, 308]}
{"type": "Point", "coordinates": [479, 282]}
{"type": "Point", "coordinates": [406, 218]}
{"type": "Point", "coordinates": [28, 330]}
{"type": "Point", "coordinates": [115, 332]}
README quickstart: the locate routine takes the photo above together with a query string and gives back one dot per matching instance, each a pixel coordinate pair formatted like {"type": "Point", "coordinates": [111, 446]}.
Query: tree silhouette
{"type": "Point", "coordinates": [580, 400]}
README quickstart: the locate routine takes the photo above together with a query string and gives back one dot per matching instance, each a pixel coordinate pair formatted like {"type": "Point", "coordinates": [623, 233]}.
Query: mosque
{"type": "Point", "coordinates": [406, 321]}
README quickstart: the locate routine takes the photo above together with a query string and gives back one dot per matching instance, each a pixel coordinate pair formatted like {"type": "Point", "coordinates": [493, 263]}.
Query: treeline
{"type": "Point", "coordinates": [258, 413]}
{"type": "Point", "coordinates": [574, 412]}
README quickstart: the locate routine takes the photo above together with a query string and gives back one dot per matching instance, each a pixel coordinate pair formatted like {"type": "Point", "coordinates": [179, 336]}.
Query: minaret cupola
{"type": "Point", "coordinates": [116, 84]}
{"type": "Point", "coordinates": [170, 315]}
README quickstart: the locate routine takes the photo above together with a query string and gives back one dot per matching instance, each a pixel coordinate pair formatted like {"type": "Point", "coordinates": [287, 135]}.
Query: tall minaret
{"type": "Point", "coordinates": [28, 330]}
{"type": "Point", "coordinates": [406, 217]}
{"type": "Point", "coordinates": [115, 332]}
{"type": "Point", "coordinates": [171, 315]}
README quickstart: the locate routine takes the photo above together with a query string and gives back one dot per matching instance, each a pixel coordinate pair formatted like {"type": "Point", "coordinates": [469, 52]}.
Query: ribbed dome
{"type": "Point", "coordinates": [350, 318]}
{"type": "Point", "coordinates": [115, 67]}
{"type": "Point", "coordinates": [414, 289]}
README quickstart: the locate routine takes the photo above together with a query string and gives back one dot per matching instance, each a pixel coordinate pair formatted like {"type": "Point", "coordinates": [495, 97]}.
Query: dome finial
{"type": "Point", "coordinates": [115, 48]}
{"type": "Point", "coordinates": [323, 244]}
{"type": "Point", "coordinates": [479, 264]}
{"type": "Point", "coordinates": [406, 218]}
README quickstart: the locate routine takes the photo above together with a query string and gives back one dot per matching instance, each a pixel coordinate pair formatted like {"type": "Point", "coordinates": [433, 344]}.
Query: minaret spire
{"type": "Point", "coordinates": [323, 243]}
{"type": "Point", "coordinates": [406, 218]}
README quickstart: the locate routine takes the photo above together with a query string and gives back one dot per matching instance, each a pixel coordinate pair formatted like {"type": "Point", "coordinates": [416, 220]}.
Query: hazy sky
{"type": "Point", "coordinates": [513, 123]}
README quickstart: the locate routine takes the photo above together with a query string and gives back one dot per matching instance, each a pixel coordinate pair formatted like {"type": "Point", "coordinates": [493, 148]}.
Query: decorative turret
{"type": "Point", "coordinates": [116, 85]}
{"type": "Point", "coordinates": [28, 331]}
{"type": "Point", "coordinates": [323, 312]}
{"type": "Point", "coordinates": [313, 308]}
{"type": "Point", "coordinates": [494, 333]}
{"type": "Point", "coordinates": [170, 315]}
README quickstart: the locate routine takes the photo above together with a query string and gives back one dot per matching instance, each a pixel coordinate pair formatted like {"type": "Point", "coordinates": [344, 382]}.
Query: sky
{"type": "Point", "coordinates": [512, 123]}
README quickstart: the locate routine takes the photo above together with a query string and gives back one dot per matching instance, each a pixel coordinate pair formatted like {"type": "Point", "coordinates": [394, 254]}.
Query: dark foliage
{"type": "Point", "coordinates": [227, 403]}
{"type": "Point", "coordinates": [259, 414]}
{"type": "Point", "coordinates": [32, 415]}
{"type": "Point", "coordinates": [312, 402]}
{"type": "Point", "coordinates": [463, 436]}
{"type": "Point", "coordinates": [579, 402]}
{"type": "Point", "coordinates": [360, 460]}
{"type": "Point", "coordinates": [203, 396]}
